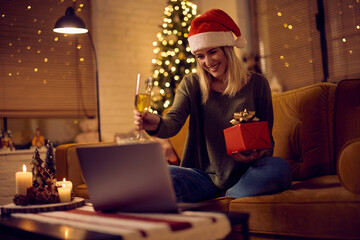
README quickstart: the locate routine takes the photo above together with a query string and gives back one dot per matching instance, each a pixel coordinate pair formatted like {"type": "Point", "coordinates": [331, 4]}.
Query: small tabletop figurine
{"type": "Point", "coordinates": [38, 140]}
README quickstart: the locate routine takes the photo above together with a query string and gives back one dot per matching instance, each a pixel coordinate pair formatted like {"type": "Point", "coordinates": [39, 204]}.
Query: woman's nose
{"type": "Point", "coordinates": [208, 61]}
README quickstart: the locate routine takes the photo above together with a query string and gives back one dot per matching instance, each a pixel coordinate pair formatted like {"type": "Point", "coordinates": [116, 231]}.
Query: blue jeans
{"type": "Point", "coordinates": [264, 176]}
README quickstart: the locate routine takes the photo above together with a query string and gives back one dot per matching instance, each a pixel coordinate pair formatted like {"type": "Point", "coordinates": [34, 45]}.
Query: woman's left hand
{"type": "Point", "coordinates": [251, 155]}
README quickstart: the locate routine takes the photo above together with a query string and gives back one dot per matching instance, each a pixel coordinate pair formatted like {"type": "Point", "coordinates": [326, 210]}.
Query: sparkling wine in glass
{"type": "Point", "coordinates": [142, 95]}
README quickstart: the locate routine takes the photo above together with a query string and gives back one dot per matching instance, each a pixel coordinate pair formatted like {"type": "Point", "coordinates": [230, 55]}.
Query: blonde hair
{"type": "Point", "coordinates": [236, 75]}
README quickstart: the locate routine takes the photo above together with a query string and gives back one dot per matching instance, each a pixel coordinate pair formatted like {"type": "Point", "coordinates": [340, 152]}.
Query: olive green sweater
{"type": "Point", "coordinates": [205, 144]}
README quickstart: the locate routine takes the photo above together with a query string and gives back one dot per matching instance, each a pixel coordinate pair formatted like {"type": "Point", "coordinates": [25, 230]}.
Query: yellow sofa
{"type": "Point", "coordinates": [316, 129]}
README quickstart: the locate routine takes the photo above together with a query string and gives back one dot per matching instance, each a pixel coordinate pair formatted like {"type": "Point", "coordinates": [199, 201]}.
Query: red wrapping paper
{"type": "Point", "coordinates": [247, 136]}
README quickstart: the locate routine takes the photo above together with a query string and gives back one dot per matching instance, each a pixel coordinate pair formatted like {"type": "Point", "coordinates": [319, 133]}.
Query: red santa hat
{"type": "Point", "coordinates": [214, 28]}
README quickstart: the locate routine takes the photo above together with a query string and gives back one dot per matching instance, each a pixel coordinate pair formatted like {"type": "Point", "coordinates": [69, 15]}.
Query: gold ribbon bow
{"type": "Point", "coordinates": [243, 117]}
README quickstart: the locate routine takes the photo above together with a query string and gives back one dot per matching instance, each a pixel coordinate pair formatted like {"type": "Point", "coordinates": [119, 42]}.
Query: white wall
{"type": "Point", "coordinates": [123, 33]}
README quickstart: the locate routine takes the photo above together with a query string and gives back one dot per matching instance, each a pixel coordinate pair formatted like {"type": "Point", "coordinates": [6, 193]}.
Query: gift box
{"type": "Point", "coordinates": [247, 136]}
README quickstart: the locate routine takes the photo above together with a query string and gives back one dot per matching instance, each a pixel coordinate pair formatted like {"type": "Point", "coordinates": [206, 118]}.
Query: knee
{"type": "Point", "coordinates": [284, 171]}
{"type": "Point", "coordinates": [173, 169]}
{"type": "Point", "coordinates": [279, 168]}
{"type": "Point", "coordinates": [276, 164]}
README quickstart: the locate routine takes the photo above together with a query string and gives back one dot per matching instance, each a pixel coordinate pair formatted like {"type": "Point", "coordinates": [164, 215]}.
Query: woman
{"type": "Point", "coordinates": [221, 87]}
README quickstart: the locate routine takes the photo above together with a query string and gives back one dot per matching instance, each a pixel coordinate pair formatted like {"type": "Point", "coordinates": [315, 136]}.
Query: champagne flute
{"type": "Point", "coordinates": [142, 96]}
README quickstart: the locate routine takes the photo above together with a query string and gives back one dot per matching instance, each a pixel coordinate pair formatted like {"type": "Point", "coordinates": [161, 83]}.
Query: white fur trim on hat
{"type": "Point", "coordinates": [240, 42]}
{"type": "Point", "coordinates": [210, 39]}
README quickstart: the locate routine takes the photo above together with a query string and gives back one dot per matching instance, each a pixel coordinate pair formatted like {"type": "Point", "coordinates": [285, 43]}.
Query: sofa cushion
{"type": "Point", "coordinates": [303, 130]}
{"type": "Point", "coordinates": [349, 165]}
{"type": "Point", "coordinates": [82, 191]}
{"type": "Point", "coordinates": [316, 208]}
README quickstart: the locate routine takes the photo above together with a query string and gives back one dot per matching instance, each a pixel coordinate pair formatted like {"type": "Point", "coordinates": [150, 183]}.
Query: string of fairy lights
{"type": "Point", "coordinates": [173, 58]}
{"type": "Point", "coordinates": [37, 48]}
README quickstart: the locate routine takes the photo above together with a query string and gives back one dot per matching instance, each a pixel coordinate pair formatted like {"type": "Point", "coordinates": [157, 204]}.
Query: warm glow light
{"type": "Point", "coordinates": [66, 234]}
{"type": "Point", "coordinates": [279, 14]}
{"type": "Point", "coordinates": [71, 30]}
{"type": "Point", "coordinates": [344, 40]}
{"type": "Point", "coordinates": [24, 168]}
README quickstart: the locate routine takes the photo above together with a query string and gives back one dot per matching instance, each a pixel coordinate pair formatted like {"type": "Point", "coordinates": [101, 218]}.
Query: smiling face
{"type": "Point", "coordinates": [214, 61]}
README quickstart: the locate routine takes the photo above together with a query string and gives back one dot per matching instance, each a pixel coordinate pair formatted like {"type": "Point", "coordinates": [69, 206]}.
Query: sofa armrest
{"type": "Point", "coordinates": [67, 162]}
{"type": "Point", "coordinates": [348, 166]}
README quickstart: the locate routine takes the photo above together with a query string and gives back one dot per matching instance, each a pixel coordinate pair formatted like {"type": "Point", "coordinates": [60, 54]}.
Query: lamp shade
{"type": "Point", "coordinates": [70, 23]}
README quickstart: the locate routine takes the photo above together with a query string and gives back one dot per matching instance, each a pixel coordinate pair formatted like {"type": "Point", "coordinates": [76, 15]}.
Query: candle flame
{"type": "Point", "coordinates": [64, 180]}
{"type": "Point", "coordinates": [24, 168]}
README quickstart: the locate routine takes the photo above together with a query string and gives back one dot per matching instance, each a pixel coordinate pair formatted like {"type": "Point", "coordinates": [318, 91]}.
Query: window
{"type": "Point", "coordinates": [342, 23]}
{"type": "Point", "coordinates": [42, 73]}
{"type": "Point", "coordinates": [290, 46]}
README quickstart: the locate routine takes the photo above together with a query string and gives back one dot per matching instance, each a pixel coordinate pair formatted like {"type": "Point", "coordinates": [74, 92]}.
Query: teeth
{"type": "Point", "coordinates": [212, 68]}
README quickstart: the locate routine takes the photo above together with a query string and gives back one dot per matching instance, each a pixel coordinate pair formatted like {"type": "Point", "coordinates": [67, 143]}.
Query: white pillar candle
{"type": "Point", "coordinates": [64, 193]}
{"type": "Point", "coordinates": [23, 180]}
{"type": "Point", "coordinates": [67, 184]}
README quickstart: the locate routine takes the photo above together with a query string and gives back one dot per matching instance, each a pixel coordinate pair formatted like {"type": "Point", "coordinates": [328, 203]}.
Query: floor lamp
{"type": "Point", "coordinates": [72, 24]}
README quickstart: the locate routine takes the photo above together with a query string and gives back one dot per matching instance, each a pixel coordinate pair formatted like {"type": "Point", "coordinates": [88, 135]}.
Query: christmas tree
{"type": "Point", "coordinates": [173, 57]}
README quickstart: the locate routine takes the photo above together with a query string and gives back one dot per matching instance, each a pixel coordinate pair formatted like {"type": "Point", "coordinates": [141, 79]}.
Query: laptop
{"type": "Point", "coordinates": [128, 178]}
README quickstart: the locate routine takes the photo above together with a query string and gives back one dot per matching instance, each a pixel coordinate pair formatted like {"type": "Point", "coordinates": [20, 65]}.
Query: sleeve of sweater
{"type": "Point", "coordinates": [173, 121]}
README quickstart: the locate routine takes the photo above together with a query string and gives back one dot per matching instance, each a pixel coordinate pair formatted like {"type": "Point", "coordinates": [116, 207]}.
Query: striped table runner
{"type": "Point", "coordinates": [185, 225]}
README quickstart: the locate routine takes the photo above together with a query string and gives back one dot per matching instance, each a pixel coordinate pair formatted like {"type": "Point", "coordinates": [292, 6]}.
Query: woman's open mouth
{"type": "Point", "coordinates": [214, 68]}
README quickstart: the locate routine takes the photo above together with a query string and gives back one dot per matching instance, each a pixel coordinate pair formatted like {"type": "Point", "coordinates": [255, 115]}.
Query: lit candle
{"type": "Point", "coordinates": [64, 193]}
{"type": "Point", "coordinates": [23, 180]}
{"type": "Point", "coordinates": [67, 184]}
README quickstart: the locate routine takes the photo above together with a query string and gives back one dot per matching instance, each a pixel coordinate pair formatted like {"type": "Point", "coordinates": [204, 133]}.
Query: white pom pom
{"type": "Point", "coordinates": [240, 42]}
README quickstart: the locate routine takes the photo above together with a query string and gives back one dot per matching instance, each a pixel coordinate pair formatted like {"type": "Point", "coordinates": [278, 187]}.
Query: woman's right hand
{"type": "Point", "coordinates": [148, 121]}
